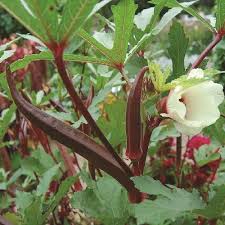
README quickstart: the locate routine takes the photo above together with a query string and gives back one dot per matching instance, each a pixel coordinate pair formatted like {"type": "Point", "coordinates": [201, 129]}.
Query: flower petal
{"type": "Point", "coordinates": [174, 103]}
{"type": "Point", "coordinates": [202, 102]}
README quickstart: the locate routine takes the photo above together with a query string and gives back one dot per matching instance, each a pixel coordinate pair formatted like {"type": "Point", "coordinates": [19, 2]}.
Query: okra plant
{"type": "Point", "coordinates": [151, 137]}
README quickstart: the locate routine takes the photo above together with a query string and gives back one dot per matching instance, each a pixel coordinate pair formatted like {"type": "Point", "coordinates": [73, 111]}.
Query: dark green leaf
{"type": "Point", "coordinates": [106, 201]}
{"type": "Point", "coordinates": [177, 49]}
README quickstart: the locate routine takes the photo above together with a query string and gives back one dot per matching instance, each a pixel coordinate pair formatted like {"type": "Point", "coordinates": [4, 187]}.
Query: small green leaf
{"type": "Point", "coordinates": [43, 186]}
{"type": "Point", "coordinates": [163, 132]}
{"type": "Point", "coordinates": [177, 49]}
{"type": "Point", "coordinates": [205, 155]}
{"type": "Point", "coordinates": [220, 14]}
{"type": "Point", "coordinates": [63, 189]}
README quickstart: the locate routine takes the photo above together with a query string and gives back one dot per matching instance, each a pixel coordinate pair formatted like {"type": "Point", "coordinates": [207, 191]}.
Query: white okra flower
{"type": "Point", "coordinates": [195, 107]}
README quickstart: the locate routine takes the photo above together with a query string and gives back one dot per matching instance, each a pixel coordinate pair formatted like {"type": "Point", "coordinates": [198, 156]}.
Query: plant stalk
{"type": "Point", "coordinates": [210, 47]}
{"type": "Point", "coordinates": [178, 159]}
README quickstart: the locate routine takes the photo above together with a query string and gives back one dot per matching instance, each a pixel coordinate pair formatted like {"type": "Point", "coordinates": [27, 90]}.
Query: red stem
{"type": "Point", "coordinates": [151, 124]}
{"type": "Point", "coordinates": [178, 159]}
{"type": "Point", "coordinates": [210, 47]}
{"type": "Point", "coordinates": [58, 54]}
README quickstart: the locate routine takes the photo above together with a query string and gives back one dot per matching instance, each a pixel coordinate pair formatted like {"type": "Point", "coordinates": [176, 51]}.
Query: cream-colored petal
{"type": "Point", "coordinates": [174, 103]}
{"type": "Point", "coordinates": [201, 103]}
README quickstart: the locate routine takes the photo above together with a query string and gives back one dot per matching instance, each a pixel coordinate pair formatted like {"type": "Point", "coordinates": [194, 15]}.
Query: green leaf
{"type": "Point", "coordinates": [45, 181]}
{"type": "Point", "coordinates": [63, 189]}
{"type": "Point", "coordinates": [143, 18]}
{"type": "Point", "coordinates": [20, 12]}
{"type": "Point", "coordinates": [153, 28]}
{"type": "Point", "coordinates": [220, 14]}
{"type": "Point", "coordinates": [114, 126]}
{"type": "Point", "coordinates": [217, 132]}
{"type": "Point", "coordinates": [106, 201]}
{"type": "Point", "coordinates": [23, 200]}
{"type": "Point", "coordinates": [177, 49]}
{"type": "Point", "coordinates": [98, 46]}
{"type": "Point", "coordinates": [166, 19]}
{"type": "Point", "coordinates": [205, 155]}
{"type": "Point", "coordinates": [150, 186]}
{"type": "Point", "coordinates": [162, 132]}
{"type": "Point", "coordinates": [46, 13]}
{"type": "Point", "coordinates": [163, 209]}
{"type": "Point", "coordinates": [216, 206]}
{"type": "Point", "coordinates": [123, 16]}
{"type": "Point", "coordinates": [186, 7]}
{"type": "Point", "coordinates": [170, 204]}
{"type": "Point", "coordinates": [33, 213]}
{"type": "Point", "coordinates": [98, 6]}
{"type": "Point", "coordinates": [75, 13]}
{"type": "Point", "coordinates": [21, 63]}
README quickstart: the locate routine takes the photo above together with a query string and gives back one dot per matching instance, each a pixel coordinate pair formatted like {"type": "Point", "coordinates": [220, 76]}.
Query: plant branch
{"type": "Point", "coordinates": [151, 124]}
{"type": "Point", "coordinates": [178, 158]}
{"type": "Point", "coordinates": [210, 47]}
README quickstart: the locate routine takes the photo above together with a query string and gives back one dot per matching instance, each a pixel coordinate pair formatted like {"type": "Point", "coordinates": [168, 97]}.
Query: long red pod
{"type": "Point", "coordinates": [71, 138]}
{"type": "Point", "coordinates": [133, 118]}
